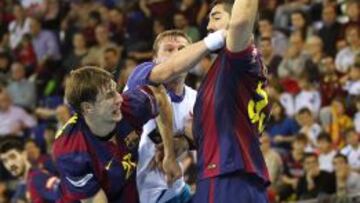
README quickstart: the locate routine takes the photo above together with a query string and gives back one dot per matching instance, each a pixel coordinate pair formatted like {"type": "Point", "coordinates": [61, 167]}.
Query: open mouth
{"type": "Point", "coordinates": [116, 112]}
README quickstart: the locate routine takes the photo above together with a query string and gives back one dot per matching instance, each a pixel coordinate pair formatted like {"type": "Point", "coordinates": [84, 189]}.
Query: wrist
{"type": "Point", "coordinates": [215, 40]}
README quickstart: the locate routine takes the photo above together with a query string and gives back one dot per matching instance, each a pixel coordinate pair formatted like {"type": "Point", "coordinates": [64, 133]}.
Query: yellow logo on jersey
{"type": "Point", "coordinates": [128, 165]}
{"type": "Point", "coordinates": [72, 120]}
{"type": "Point", "coordinates": [255, 108]}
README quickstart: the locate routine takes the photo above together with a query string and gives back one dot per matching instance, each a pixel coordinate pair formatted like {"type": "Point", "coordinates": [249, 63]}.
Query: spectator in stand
{"type": "Point", "coordinates": [357, 115]}
{"type": "Point", "coordinates": [330, 85]}
{"type": "Point", "coordinates": [22, 90]}
{"type": "Point", "coordinates": [117, 25]}
{"type": "Point", "coordinates": [5, 62]}
{"type": "Point", "coordinates": [182, 23]}
{"type": "Point", "coordinates": [293, 63]}
{"type": "Point", "coordinates": [270, 58]}
{"type": "Point", "coordinates": [347, 181]}
{"type": "Point", "coordinates": [79, 51]}
{"type": "Point", "coordinates": [330, 30]}
{"type": "Point", "coordinates": [283, 12]}
{"type": "Point", "coordinates": [96, 53]}
{"type": "Point", "coordinates": [309, 96]}
{"type": "Point", "coordinates": [13, 119]}
{"type": "Point", "coordinates": [19, 26]}
{"type": "Point", "coordinates": [340, 121]}
{"type": "Point", "coordinates": [308, 126]}
{"type": "Point", "coordinates": [112, 62]}
{"type": "Point", "coordinates": [281, 129]}
{"type": "Point", "coordinates": [45, 43]}
{"type": "Point", "coordinates": [272, 159]}
{"type": "Point", "coordinates": [352, 13]}
{"type": "Point", "coordinates": [345, 58]}
{"type": "Point", "coordinates": [278, 40]}
{"type": "Point", "coordinates": [315, 182]}
{"type": "Point", "coordinates": [293, 168]}
{"type": "Point", "coordinates": [299, 22]}
{"type": "Point", "coordinates": [63, 114]}
{"type": "Point", "coordinates": [25, 54]}
{"type": "Point", "coordinates": [314, 48]}
{"type": "Point", "coordinates": [326, 152]}
{"type": "Point", "coordinates": [34, 184]}
{"type": "Point", "coordinates": [352, 149]}
{"type": "Point", "coordinates": [37, 159]}
{"type": "Point", "coordinates": [352, 81]}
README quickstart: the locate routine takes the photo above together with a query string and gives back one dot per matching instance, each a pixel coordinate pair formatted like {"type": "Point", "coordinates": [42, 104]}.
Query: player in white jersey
{"type": "Point", "coordinates": [151, 183]}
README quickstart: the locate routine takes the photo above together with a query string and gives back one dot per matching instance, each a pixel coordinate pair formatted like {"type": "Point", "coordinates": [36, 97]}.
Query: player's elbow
{"type": "Point", "coordinates": [161, 75]}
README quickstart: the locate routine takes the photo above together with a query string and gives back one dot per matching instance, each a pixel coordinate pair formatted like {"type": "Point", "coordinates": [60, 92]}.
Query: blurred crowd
{"type": "Point", "coordinates": [311, 48]}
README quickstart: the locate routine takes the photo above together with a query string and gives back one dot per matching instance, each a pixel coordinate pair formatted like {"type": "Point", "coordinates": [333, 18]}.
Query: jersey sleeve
{"type": "Point", "coordinates": [140, 76]}
{"type": "Point", "coordinates": [139, 106]}
{"type": "Point", "coordinates": [248, 60]}
{"type": "Point", "coordinates": [77, 176]}
{"type": "Point", "coordinates": [43, 186]}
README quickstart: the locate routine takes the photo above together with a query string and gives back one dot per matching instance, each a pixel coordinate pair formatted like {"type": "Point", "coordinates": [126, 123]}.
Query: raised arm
{"type": "Point", "coordinates": [186, 58]}
{"type": "Point", "coordinates": [241, 24]}
{"type": "Point", "coordinates": [165, 125]}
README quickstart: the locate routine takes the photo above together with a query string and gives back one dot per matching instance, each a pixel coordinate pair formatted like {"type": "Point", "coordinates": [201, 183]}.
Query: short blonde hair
{"type": "Point", "coordinates": [169, 33]}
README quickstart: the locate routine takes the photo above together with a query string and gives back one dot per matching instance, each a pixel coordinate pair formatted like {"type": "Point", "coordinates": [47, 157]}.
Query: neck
{"type": "Point", "coordinates": [268, 58]}
{"type": "Point", "coordinates": [355, 46]}
{"type": "Point", "coordinates": [317, 56]}
{"type": "Point", "coordinates": [27, 169]}
{"type": "Point", "coordinates": [80, 50]}
{"type": "Point", "coordinates": [355, 146]}
{"type": "Point", "coordinates": [176, 87]}
{"type": "Point", "coordinates": [297, 154]}
{"type": "Point", "coordinates": [327, 151]}
{"type": "Point", "coordinates": [99, 128]}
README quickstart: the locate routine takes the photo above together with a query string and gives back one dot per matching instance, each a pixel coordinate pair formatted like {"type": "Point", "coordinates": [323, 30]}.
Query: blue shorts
{"type": "Point", "coordinates": [230, 188]}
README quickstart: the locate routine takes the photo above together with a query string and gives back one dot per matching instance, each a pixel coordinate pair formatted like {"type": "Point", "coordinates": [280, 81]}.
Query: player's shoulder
{"type": "Point", "coordinates": [140, 74]}
{"type": "Point", "coordinates": [249, 52]}
{"type": "Point", "coordinates": [69, 127]}
{"type": "Point", "coordinates": [69, 138]}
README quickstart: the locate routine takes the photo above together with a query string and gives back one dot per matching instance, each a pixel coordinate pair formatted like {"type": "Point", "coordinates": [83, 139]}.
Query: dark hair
{"type": "Point", "coordinates": [227, 4]}
{"type": "Point", "coordinates": [304, 110]}
{"type": "Point", "coordinates": [306, 24]}
{"type": "Point", "coordinates": [30, 140]}
{"type": "Point", "coordinates": [95, 15]}
{"type": "Point", "coordinates": [309, 154]}
{"type": "Point", "coordinates": [111, 49]}
{"type": "Point", "coordinates": [10, 142]}
{"type": "Point", "coordinates": [341, 156]}
{"type": "Point", "coordinates": [84, 84]}
{"type": "Point", "coordinates": [301, 137]}
{"type": "Point", "coordinates": [265, 39]}
{"type": "Point", "coordinates": [324, 137]}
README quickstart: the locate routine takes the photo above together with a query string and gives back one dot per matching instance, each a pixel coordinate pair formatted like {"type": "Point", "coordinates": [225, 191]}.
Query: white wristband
{"type": "Point", "coordinates": [215, 40]}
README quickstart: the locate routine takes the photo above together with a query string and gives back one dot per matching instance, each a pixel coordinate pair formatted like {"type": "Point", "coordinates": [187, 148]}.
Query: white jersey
{"type": "Point", "coordinates": [151, 183]}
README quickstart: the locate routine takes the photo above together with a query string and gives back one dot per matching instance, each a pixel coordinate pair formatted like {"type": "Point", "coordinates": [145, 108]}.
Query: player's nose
{"type": "Point", "coordinates": [118, 99]}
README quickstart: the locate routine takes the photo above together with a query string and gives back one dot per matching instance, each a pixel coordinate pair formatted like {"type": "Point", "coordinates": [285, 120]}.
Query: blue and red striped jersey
{"type": "Point", "coordinates": [230, 114]}
{"type": "Point", "coordinates": [87, 164]}
{"type": "Point", "coordinates": [42, 186]}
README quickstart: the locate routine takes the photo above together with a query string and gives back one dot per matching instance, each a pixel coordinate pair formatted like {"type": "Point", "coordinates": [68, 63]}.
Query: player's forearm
{"type": "Point", "coordinates": [165, 120]}
{"type": "Point", "coordinates": [241, 24]}
{"type": "Point", "coordinates": [100, 196]}
{"type": "Point", "coordinates": [179, 63]}
{"type": "Point", "coordinates": [243, 12]}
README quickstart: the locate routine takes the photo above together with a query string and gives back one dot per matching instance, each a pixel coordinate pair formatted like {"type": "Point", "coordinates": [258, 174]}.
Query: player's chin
{"type": "Point", "coordinates": [116, 117]}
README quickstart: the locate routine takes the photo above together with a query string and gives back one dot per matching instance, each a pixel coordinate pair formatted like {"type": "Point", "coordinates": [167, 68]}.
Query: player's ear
{"type": "Point", "coordinates": [86, 107]}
